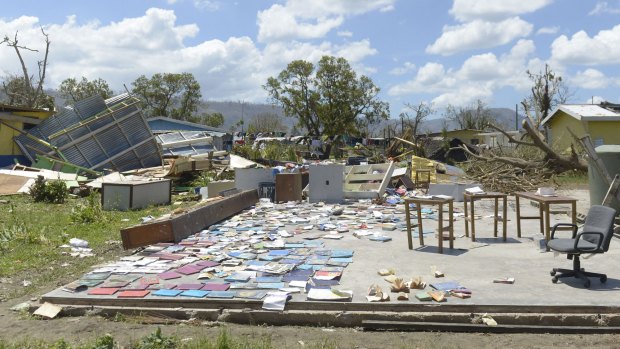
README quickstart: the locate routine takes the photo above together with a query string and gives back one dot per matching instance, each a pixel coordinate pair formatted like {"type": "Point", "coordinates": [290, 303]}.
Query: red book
{"type": "Point", "coordinates": [103, 291]}
{"type": "Point", "coordinates": [132, 294]}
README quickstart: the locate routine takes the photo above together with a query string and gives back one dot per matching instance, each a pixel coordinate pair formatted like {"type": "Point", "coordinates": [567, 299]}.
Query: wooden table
{"type": "Point", "coordinates": [470, 214]}
{"type": "Point", "coordinates": [430, 201]}
{"type": "Point", "coordinates": [544, 203]}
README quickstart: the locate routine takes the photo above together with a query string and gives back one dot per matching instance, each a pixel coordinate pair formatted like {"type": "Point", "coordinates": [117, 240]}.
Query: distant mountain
{"type": "Point", "coordinates": [234, 111]}
{"type": "Point", "coordinates": [504, 117]}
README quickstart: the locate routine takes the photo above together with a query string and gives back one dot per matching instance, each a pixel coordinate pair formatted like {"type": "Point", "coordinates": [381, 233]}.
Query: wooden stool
{"type": "Point", "coordinates": [470, 214]}
{"type": "Point", "coordinates": [435, 201]}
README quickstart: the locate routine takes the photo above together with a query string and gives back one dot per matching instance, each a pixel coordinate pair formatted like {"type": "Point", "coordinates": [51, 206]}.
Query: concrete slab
{"type": "Point", "coordinates": [471, 264]}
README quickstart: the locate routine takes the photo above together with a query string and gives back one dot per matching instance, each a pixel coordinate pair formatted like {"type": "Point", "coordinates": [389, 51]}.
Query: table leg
{"type": "Point", "coordinates": [420, 230]}
{"type": "Point", "coordinates": [495, 218]}
{"type": "Point", "coordinates": [473, 219]}
{"type": "Point", "coordinates": [440, 228]}
{"type": "Point", "coordinates": [408, 219]}
{"type": "Point", "coordinates": [574, 212]}
{"type": "Point", "coordinates": [504, 218]}
{"type": "Point", "coordinates": [466, 216]}
{"type": "Point", "coordinates": [451, 216]}
{"type": "Point", "coordinates": [518, 208]}
{"type": "Point", "coordinates": [541, 213]}
{"type": "Point", "coordinates": [547, 223]}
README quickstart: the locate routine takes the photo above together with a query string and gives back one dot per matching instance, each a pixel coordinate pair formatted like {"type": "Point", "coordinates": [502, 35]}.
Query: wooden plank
{"type": "Point", "coordinates": [147, 234]}
{"type": "Point", "coordinates": [10, 184]}
{"type": "Point", "coordinates": [178, 227]}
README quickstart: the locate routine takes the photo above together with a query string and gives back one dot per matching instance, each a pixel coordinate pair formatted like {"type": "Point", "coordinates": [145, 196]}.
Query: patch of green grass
{"type": "Point", "coordinates": [570, 180]}
{"type": "Point", "coordinates": [31, 233]}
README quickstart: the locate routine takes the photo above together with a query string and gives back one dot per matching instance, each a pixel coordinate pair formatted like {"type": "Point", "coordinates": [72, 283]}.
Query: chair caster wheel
{"type": "Point", "coordinates": [586, 284]}
{"type": "Point", "coordinates": [603, 279]}
{"type": "Point", "coordinates": [554, 279]}
{"type": "Point", "coordinates": [552, 273]}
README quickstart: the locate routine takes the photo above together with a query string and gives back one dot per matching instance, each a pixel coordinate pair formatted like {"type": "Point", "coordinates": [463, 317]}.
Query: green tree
{"type": "Point", "coordinates": [329, 101]}
{"type": "Point", "coordinates": [72, 90]}
{"type": "Point", "coordinates": [172, 95]}
{"type": "Point", "coordinates": [213, 119]}
{"type": "Point", "coordinates": [266, 122]}
{"type": "Point", "coordinates": [25, 90]}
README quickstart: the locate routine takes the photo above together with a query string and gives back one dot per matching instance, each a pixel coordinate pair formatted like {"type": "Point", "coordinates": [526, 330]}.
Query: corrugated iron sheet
{"type": "Point", "coordinates": [166, 140]}
{"type": "Point", "coordinates": [97, 134]}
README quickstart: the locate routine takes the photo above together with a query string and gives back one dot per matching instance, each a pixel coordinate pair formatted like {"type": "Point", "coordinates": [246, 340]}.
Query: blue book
{"type": "Point", "coordinates": [238, 277]}
{"type": "Point", "coordinates": [270, 285]}
{"type": "Point", "coordinates": [446, 285]}
{"type": "Point", "coordinates": [166, 293]}
{"type": "Point", "coordinates": [279, 252]}
{"type": "Point", "coordinates": [269, 279]}
{"type": "Point", "coordinates": [194, 293]}
{"type": "Point", "coordinates": [257, 263]}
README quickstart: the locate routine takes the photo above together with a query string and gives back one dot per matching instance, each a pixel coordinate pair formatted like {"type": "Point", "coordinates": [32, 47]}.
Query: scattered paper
{"type": "Point", "coordinates": [275, 301]}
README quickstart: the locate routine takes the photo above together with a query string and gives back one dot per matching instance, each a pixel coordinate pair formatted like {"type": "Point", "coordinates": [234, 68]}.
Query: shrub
{"type": "Point", "coordinates": [53, 191]}
{"type": "Point", "coordinates": [88, 212]}
{"type": "Point", "coordinates": [157, 340]}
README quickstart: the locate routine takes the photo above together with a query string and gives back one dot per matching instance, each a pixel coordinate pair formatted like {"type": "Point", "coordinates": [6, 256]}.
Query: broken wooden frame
{"type": "Point", "coordinates": [367, 181]}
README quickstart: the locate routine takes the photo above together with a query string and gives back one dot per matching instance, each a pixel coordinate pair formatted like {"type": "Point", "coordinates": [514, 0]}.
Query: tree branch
{"type": "Point", "coordinates": [511, 139]}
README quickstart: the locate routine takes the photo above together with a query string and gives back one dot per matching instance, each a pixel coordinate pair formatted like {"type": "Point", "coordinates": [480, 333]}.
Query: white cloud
{"type": "Point", "coordinates": [479, 35]}
{"type": "Point", "coordinates": [590, 79]}
{"type": "Point", "coordinates": [279, 23]}
{"type": "Point", "coordinates": [468, 10]}
{"type": "Point", "coordinates": [548, 30]}
{"type": "Point", "coordinates": [404, 69]}
{"type": "Point", "coordinates": [477, 78]}
{"type": "Point", "coordinates": [119, 52]}
{"type": "Point", "coordinates": [345, 33]}
{"type": "Point", "coordinates": [208, 5]}
{"type": "Point", "coordinates": [603, 48]}
{"type": "Point", "coordinates": [602, 7]}
{"type": "Point", "coordinates": [300, 19]}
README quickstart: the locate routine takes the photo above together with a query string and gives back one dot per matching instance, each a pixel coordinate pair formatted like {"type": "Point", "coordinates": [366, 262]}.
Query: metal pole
{"type": "Point", "coordinates": [516, 117]}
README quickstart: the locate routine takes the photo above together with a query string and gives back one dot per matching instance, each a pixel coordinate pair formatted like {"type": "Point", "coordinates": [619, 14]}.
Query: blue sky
{"type": "Point", "coordinates": [438, 51]}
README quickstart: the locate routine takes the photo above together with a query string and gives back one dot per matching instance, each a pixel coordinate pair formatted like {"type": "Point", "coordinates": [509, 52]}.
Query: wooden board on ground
{"type": "Point", "coordinates": [10, 184]}
{"type": "Point", "coordinates": [178, 227]}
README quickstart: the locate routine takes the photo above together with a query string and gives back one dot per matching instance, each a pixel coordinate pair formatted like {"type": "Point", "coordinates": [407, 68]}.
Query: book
{"type": "Point", "coordinates": [438, 296]}
{"type": "Point", "coordinates": [423, 296]}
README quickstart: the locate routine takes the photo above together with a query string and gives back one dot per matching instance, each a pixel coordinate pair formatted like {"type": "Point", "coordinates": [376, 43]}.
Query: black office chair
{"type": "Point", "coordinates": [594, 237]}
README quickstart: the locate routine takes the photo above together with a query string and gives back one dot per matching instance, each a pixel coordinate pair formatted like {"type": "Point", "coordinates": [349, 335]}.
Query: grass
{"type": "Point", "coordinates": [31, 234]}
{"type": "Point", "coordinates": [158, 340]}
{"type": "Point", "coordinates": [572, 180]}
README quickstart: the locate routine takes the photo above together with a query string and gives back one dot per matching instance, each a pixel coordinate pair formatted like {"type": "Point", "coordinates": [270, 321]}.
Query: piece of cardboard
{"type": "Point", "coordinates": [48, 310]}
